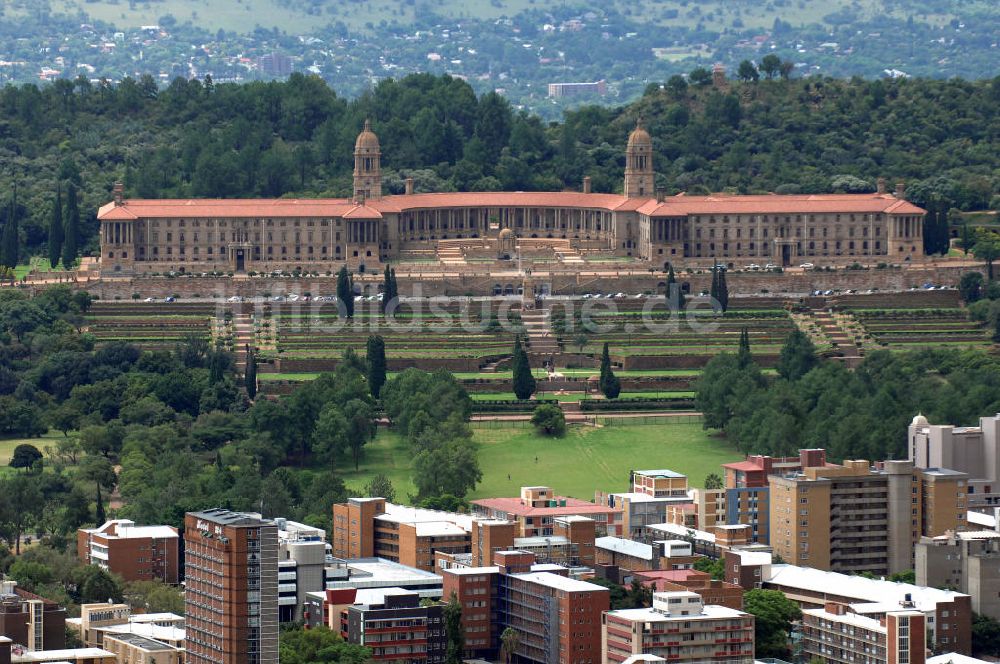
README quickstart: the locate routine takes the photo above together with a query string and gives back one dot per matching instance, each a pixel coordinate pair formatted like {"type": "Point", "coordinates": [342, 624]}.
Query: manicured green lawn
{"type": "Point", "coordinates": [585, 460]}
{"type": "Point", "coordinates": [576, 396]}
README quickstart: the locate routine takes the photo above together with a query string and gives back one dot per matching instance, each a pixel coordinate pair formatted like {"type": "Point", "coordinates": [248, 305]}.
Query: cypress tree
{"type": "Point", "coordinates": [714, 290]}
{"type": "Point", "coordinates": [392, 280]}
{"type": "Point", "coordinates": [72, 228]}
{"type": "Point", "coordinates": [524, 381]}
{"type": "Point", "coordinates": [8, 237]}
{"type": "Point", "coordinates": [967, 240]}
{"type": "Point", "coordinates": [250, 374]}
{"type": "Point", "coordinates": [345, 293]}
{"type": "Point", "coordinates": [610, 386]}
{"type": "Point", "coordinates": [674, 294]}
{"type": "Point", "coordinates": [723, 290]}
{"type": "Point", "coordinates": [56, 232]}
{"type": "Point", "coordinates": [386, 289]}
{"type": "Point", "coordinates": [99, 515]}
{"type": "Point", "coordinates": [743, 356]}
{"type": "Point", "coordinates": [376, 364]}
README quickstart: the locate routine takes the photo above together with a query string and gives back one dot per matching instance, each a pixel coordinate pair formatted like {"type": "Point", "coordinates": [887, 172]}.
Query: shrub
{"type": "Point", "coordinates": [549, 420]}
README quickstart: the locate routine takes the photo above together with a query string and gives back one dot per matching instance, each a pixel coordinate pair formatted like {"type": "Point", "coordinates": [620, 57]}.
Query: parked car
{"type": "Point", "coordinates": [770, 266]}
{"type": "Point", "coordinates": [150, 299]}
{"type": "Point", "coordinates": [807, 266]}
{"type": "Point", "coordinates": [752, 267]}
{"type": "Point", "coordinates": [169, 299]}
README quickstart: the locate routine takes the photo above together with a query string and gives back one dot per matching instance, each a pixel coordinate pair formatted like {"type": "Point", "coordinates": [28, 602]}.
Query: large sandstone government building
{"type": "Point", "coordinates": [321, 234]}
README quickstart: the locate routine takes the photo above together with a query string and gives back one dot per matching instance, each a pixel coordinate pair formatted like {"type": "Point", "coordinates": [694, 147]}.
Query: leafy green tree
{"type": "Point", "coordinates": [773, 617]}
{"type": "Point", "coordinates": [21, 507]}
{"type": "Point", "coordinates": [798, 356]}
{"type": "Point", "coordinates": [319, 645]}
{"type": "Point", "coordinates": [380, 486]}
{"type": "Point", "coordinates": [375, 355]}
{"type": "Point", "coordinates": [987, 249]}
{"type": "Point", "coordinates": [31, 574]}
{"type": "Point", "coordinates": [71, 220]}
{"type": "Point", "coordinates": [524, 380]}
{"type": "Point", "coordinates": [715, 567]}
{"type": "Point", "coordinates": [747, 72]}
{"type": "Point", "coordinates": [713, 481]}
{"type": "Point", "coordinates": [549, 420]}
{"type": "Point", "coordinates": [449, 467]}
{"type": "Point", "coordinates": [345, 293]}
{"type": "Point", "coordinates": [360, 427]}
{"type": "Point", "coordinates": [155, 597]}
{"type": "Point", "coordinates": [722, 386]}
{"type": "Point", "coordinates": [56, 230]}
{"type": "Point", "coordinates": [25, 456]}
{"type": "Point", "coordinates": [608, 383]}
{"type": "Point", "coordinates": [985, 636]}
{"type": "Point", "coordinates": [700, 76]}
{"type": "Point", "coordinates": [970, 287]}
{"type": "Point", "coordinates": [770, 65]}
{"type": "Point", "coordinates": [454, 633]}
{"type": "Point", "coordinates": [99, 515]}
{"type": "Point", "coordinates": [966, 241]}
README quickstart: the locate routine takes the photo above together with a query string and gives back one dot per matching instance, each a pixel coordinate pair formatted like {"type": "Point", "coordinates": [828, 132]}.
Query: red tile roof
{"type": "Point", "coordinates": [746, 466]}
{"type": "Point", "coordinates": [671, 207]}
{"type": "Point", "coordinates": [518, 508]}
{"type": "Point", "coordinates": [674, 575]}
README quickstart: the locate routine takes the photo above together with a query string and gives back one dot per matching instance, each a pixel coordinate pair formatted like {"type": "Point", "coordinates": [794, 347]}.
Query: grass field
{"type": "Point", "coordinates": [585, 460]}
{"type": "Point", "coordinates": [578, 396]}
{"type": "Point", "coordinates": [8, 445]}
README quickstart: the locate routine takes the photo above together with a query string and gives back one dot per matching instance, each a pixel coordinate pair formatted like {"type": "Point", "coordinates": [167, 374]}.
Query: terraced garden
{"type": "Point", "coordinates": [151, 325]}
{"type": "Point", "coordinates": [906, 329]}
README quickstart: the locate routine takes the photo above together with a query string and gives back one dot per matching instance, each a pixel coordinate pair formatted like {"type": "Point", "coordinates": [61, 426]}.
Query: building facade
{"type": "Point", "coordinates": [398, 629]}
{"type": "Point", "coordinates": [231, 588]}
{"type": "Point", "coordinates": [856, 517]}
{"type": "Point", "coordinates": [321, 234]}
{"type": "Point", "coordinates": [837, 635]}
{"type": "Point", "coordinates": [136, 553]}
{"type": "Point", "coordinates": [557, 618]}
{"type": "Point", "coordinates": [968, 562]}
{"type": "Point", "coordinates": [973, 450]}
{"type": "Point", "coordinates": [31, 622]}
{"type": "Point", "coordinates": [679, 628]}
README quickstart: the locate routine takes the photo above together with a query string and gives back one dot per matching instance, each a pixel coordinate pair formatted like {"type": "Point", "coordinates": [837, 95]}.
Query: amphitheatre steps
{"type": "Point", "coordinates": [244, 338]}
{"type": "Point", "coordinates": [837, 335]}
{"type": "Point", "coordinates": [538, 330]}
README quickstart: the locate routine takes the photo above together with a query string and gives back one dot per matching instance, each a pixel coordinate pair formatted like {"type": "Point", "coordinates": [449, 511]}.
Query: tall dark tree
{"type": "Point", "coordinates": [524, 380]}
{"type": "Point", "coordinates": [9, 236]}
{"type": "Point", "coordinates": [609, 384]}
{"type": "Point", "coordinates": [376, 364]}
{"type": "Point", "coordinates": [723, 288]}
{"type": "Point", "coordinates": [713, 290]}
{"type": "Point", "coordinates": [743, 356]}
{"type": "Point", "coordinates": [250, 374]}
{"type": "Point", "coordinates": [386, 289]}
{"type": "Point", "coordinates": [99, 514]}
{"type": "Point", "coordinates": [675, 297]}
{"type": "Point", "coordinates": [454, 633]}
{"type": "Point", "coordinates": [392, 280]}
{"type": "Point", "coordinates": [71, 223]}
{"type": "Point", "coordinates": [345, 293]}
{"type": "Point", "coordinates": [56, 230]}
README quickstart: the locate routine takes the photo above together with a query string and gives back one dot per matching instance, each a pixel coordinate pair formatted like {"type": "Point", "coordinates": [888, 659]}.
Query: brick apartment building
{"type": "Point", "coordinates": [397, 628]}
{"type": "Point", "coordinates": [136, 553]}
{"type": "Point", "coordinates": [231, 593]}
{"type": "Point", "coordinates": [747, 490]}
{"type": "Point", "coordinates": [948, 613]}
{"type": "Point", "coordinates": [630, 556]}
{"type": "Point", "coordinates": [651, 494]}
{"type": "Point", "coordinates": [837, 635]}
{"type": "Point", "coordinates": [679, 627]}
{"type": "Point", "coordinates": [30, 621]}
{"type": "Point", "coordinates": [374, 527]}
{"type": "Point", "coordinates": [856, 517]}
{"type": "Point", "coordinates": [557, 618]}
{"type": "Point", "coordinates": [712, 591]}
{"type": "Point", "coordinates": [538, 507]}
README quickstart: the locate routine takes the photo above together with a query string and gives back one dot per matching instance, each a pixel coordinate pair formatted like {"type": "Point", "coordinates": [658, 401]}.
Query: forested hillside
{"type": "Point", "coordinates": [296, 138]}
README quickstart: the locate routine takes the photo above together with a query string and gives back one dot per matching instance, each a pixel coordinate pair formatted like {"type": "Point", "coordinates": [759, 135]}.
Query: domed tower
{"type": "Point", "coordinates": [367, 165]}
{"type": "Point", "coordinates": [639, 163]}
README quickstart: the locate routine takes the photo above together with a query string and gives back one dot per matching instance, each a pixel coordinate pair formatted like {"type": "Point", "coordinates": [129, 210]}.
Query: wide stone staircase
{"type": "Point", "coordinates": [243, 338]}
{"type": "Point", "coordinates": [541, 340]}
{"type": "Point", "coordinates": [451, 252]}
